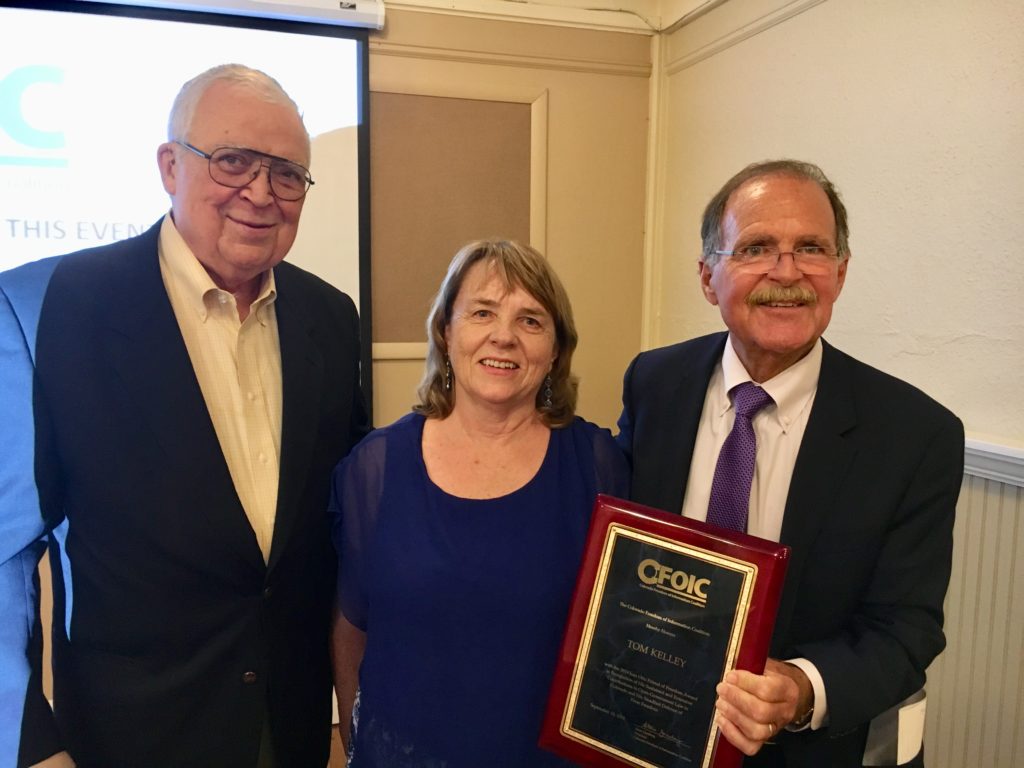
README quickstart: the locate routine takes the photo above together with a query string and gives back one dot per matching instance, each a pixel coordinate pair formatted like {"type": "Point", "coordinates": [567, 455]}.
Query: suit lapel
{"type": "Point", "coordinates": [822, 463]}
{"type": "Point", "coordinates": [302, 372]}
{"type": "Point", "coordinates": [147, 352]}
{"type": "Point", "coordinates": [663, 471]}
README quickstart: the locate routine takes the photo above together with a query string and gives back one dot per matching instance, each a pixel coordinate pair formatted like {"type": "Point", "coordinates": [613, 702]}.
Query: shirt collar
{"type": "Point", "coordinates": [792, 390]}
{"type": "Point", "coordinates": [194, 283]}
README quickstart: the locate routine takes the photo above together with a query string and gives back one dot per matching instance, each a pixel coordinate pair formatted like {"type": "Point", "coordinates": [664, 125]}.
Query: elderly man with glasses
{"type": "Point", "coordinates": [769, 430]}
{"type": "Point", "coordinates": [191, 395]}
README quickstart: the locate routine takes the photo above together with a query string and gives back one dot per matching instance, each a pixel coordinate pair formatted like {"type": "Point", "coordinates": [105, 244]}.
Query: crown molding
{"type": "Point", "coordinates": [703, 41]}
{"type": "Point", "coordinates": [465, 56]}
{"type": "Point", "coordinates": [635, 16]}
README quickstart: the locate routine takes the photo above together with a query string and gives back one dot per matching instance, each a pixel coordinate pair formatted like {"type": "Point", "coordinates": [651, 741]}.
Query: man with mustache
{"type": "Point", "coordinates": [856, 471]}
{"type": "Point", "coordinates": [182, 397]}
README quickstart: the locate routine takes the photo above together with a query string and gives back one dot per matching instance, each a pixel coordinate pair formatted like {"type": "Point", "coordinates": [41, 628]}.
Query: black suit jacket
{"type": "Point", "coordinates": [172, 638]}
{"type": "Point", "coordinates": [869, 518]}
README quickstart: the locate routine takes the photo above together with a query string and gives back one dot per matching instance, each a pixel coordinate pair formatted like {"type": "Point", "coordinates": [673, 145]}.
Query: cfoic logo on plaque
{"type": "Point", "coordinates": [664, 607]}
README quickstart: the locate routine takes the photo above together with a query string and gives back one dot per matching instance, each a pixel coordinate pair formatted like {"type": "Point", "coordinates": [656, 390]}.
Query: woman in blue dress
{"type": "Point", "coordinates": [460, 529]}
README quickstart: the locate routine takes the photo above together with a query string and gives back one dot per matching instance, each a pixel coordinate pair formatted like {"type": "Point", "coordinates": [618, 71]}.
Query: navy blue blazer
{"type": "Point", "coordinates": [172, 639]}
{"type": "Point", "coordinates": [869, 518]}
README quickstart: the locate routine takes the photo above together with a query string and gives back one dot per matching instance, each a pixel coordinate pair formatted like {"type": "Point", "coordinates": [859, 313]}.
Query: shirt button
{"type": "Point", "coordinates": [249, 678]}
{"type": "Point", "coordinates": [251, 396]}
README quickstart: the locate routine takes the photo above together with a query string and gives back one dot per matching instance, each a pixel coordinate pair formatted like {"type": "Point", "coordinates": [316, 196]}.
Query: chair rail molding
{"type": "Point", "coordinates": [992, 461]}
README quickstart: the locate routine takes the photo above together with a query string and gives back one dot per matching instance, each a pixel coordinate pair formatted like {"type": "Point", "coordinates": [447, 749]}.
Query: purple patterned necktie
{"type": "Point", "coordinates": [730, 490]}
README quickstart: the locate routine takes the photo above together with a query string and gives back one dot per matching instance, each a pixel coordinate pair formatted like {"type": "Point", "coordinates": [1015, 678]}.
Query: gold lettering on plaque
{"type": "Point", "coordinates": [652, 572]}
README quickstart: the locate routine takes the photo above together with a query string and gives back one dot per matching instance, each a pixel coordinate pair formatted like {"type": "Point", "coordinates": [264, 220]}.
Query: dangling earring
{"type": "Point", "coordinates": [447, 374]}
{"type": "Point", "coordinates": [547, 392]}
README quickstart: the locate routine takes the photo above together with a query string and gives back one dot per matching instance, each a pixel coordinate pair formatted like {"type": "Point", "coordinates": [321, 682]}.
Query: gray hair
{"type": "Point", "coordinates": [518, 266]}
{"type": "Point", "coordinates": [263, 85]}
{"type": "Point", "coordinates": [711, 224]}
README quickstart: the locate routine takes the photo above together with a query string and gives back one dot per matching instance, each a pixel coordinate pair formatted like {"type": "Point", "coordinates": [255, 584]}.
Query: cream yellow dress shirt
{"type": "Point", "coordinates": [779, 429]}
{"type": "Point", "coordinates": [238, 366]}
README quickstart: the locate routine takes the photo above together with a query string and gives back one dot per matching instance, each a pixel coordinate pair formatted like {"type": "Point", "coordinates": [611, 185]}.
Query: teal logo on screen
{"type": "Point", "coordinates": [35, 144]}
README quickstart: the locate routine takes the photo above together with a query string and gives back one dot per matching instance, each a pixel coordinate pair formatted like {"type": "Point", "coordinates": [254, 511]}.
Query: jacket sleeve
{"type": "Point", "coordinates": [360, 423]}
{"type": "Point", "coordinates": [880, 656]}
{"type": "Point", "coordinates": [625, 436]}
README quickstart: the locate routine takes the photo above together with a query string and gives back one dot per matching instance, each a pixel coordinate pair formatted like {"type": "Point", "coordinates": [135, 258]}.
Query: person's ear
{"type": "Point", "coordinates": [167, 161]}
{"type": "Point", "coordinates": [843, 266]}
{"type": "Point", "coordinates": [706, 272]}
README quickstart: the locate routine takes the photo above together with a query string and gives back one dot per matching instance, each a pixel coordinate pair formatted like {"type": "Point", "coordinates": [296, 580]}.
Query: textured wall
{"type": "Point", "coordinates": [916, 110]}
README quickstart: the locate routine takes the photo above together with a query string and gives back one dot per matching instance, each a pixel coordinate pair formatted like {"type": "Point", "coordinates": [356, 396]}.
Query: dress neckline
{"type": "Point", "coordinates": [438, 489]}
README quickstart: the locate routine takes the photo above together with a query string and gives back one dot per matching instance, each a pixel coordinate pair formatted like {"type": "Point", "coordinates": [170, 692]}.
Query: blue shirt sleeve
{"type": "Point", "coordinates": [22, 523]}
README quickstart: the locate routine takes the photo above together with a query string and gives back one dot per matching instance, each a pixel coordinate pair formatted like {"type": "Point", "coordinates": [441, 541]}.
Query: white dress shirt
{"type": "Point", "coordinates": [238, 366]}
{"type": "Point", "coordinates": [779, 429]}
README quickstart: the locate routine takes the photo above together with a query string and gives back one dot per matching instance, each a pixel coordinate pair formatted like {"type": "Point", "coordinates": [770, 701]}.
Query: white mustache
{"type": "Point", "coordinates": [779, 295]}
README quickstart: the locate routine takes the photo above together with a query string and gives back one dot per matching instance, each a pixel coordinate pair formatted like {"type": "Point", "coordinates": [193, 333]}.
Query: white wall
{"type": "Point", "coordinates": [915, 108]}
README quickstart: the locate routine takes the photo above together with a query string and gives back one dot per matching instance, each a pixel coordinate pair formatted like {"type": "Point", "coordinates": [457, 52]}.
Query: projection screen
{"type": "Point", "coordinates": [85, 91]}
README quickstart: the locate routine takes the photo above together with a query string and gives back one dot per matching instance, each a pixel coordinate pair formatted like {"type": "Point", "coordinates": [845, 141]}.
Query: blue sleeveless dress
{"type": "Point", "coordinates": [463, 601]}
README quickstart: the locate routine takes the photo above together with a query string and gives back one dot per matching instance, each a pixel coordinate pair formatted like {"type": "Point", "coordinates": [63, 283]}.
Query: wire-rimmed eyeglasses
{"type": "Point", "coordinates": [761, 259]}
{"type": "Point", "coordinates": [237, 167]}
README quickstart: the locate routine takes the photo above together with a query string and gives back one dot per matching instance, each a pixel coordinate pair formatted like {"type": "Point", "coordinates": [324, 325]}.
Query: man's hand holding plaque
{"type": "Point", "coordinates": [753, 708]}
{"type": "Point", "coordinates": [664, 609]}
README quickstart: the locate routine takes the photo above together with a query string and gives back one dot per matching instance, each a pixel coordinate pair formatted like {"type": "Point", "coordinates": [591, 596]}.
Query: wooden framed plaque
{"type": "Point", "coordinates": [664, 606]}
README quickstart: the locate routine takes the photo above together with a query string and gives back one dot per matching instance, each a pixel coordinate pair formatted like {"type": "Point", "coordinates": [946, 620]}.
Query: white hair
{"type": "Point", "coordinates": [184, 108]}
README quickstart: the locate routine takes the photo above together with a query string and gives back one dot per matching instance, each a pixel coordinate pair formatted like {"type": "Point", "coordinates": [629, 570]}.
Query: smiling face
{"type": "Point", "coordinates": [237, 234]}
{"type": "Point", "coordinates": [775, 318]}
{"type": "Point", "coordinates": [501, 343]}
